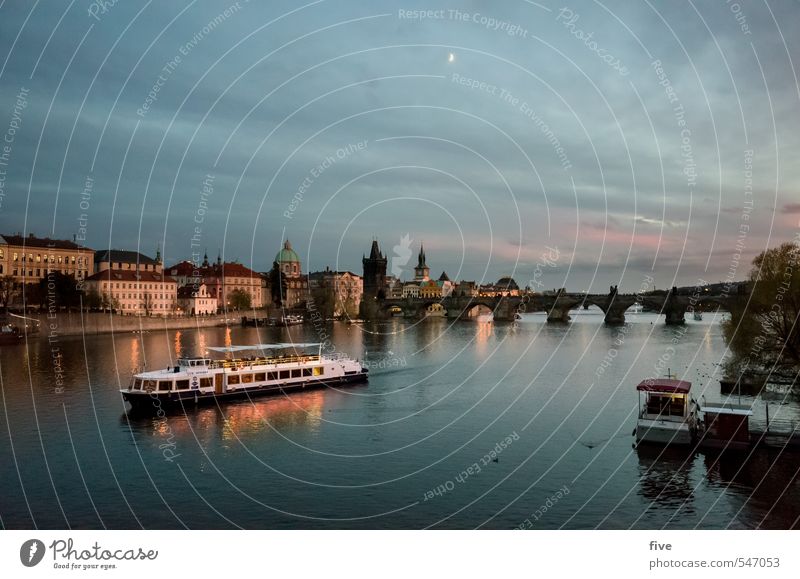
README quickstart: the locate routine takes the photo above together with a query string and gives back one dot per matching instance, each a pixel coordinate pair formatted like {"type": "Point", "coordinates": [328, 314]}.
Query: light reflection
{"type": "Point", "coordinates": [135, 353]}
{"type": "Point", "coordinates": [178, 347]}
{"type": "Point", "coordinates": [236, 421]}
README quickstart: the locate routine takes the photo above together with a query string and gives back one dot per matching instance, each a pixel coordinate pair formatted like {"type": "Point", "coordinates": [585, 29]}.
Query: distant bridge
{"type": "Point", "coordinates": [672, 304]}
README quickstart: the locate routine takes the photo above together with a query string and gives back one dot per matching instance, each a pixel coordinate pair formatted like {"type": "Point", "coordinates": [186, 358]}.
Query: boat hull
{"type": "Point", "coordinates": [664, 433]}
{"type": "Point", "coordinates": [152, 402]}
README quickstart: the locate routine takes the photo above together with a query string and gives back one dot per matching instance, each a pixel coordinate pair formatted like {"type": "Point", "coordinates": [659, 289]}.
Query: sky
{"type": "Point", "coordinates": [580, 145]}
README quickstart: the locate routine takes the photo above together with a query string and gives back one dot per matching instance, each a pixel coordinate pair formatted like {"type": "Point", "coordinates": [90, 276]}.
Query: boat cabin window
{"type": "Point", "coordinates": [666, 405]}
{"type": "Point", "coordinates": [319, 371]}
{"type": "Point", "coordinates": [247, 378]}
{"type": "Point", "coordinates": [233, 379]}
{"type": "Point", "coordinates": [284, 374]}
{"type": "Point", "coordinates": [206, 382]}
{"type": "Point", "coordinates": [306, 371]}
{"type": "Point", "coordinates": [191, 362]}
{"type": "Point", "coordinates": [149, 385]}
{"type": "Point", "coordinates": [181, 385]}
{"type": "Point", "coordinates": [164, 385]}
{"type": "Point", "coordinates": [272, 376]}
{"type": "Point", "coordinates": [137, 384]}
{"type": "Point", "coordinates": [260, 376]}
{"type": "Point", "coordinates": [296, 373]}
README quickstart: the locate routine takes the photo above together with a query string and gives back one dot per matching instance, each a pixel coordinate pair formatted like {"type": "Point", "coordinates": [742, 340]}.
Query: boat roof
{"type": "Point", "coordinates": [276, 346]}
{"type": "Point", "coordinates": [727, 408]}
{"type": "Point", "coordinates": [668, 385]}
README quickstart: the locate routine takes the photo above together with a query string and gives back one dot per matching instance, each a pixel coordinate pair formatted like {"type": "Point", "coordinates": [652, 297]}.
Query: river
{"type": "Point", "coordinates": [462, 425]}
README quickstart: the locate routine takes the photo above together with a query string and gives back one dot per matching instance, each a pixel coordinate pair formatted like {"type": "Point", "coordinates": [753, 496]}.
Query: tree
{"type": "Point", "coordinates": [92, 299]}
{"type": "Point", "coordinates": [762, 332]}
{"type": "Point", "coordinates": [277, 284]}
{"type": "Point", "coordinates": [8, 287]}
{"type": "Point", "coordinates": [323, 298]}
{"type": "Point", "coordinates": [240, 299]}
{"type": "Point", "coordinates": [58, 290]}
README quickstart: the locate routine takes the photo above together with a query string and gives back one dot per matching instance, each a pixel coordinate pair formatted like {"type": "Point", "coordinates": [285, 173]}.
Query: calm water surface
{"type": "Point", "coordinates": [416, 447]}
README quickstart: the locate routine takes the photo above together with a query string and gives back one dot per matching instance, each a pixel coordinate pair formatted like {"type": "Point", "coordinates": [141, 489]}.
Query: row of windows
{"type": "Point", "coordinates": [277, 375]}
{"type": "Point", "coordinates": [142, 296]}
{"type": "Point", "coordinates": [65, 259]}
{"type": "Point", "coordinates": [141, 266]}
{"type": "Point", "coordinates": [41, 272]}
{"type": "Point", "coordinates": [137, 285]}
{"type": "Point", "coordinates": [141, 306]}
{"type": "Point", "coordinates": [167, 385]}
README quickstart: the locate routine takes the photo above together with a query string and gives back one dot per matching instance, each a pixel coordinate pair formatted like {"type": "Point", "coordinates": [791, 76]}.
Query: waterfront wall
{"type": "Point", "coordinates": [70, 323]}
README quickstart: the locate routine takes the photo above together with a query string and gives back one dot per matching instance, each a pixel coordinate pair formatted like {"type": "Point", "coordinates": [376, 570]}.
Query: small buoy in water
{"type": "Point", "coordinates": [495, 459]}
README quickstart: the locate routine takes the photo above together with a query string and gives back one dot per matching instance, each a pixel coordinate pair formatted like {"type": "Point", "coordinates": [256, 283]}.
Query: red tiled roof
{"type": "Point", "coordinates": [188, 269]}
{"type": "Point", "coordinates": [130, 275]}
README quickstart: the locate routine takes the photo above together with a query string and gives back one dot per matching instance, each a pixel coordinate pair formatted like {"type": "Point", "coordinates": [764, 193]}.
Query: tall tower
{"type": "Point", "coordinates": [374, 273]}
{"type": "Point", "coordinates": [422, 272]}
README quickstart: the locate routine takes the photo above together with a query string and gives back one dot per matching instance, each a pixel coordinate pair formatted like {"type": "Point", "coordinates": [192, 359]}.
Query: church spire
{"type": "Point", "coordinates": [375, 252]}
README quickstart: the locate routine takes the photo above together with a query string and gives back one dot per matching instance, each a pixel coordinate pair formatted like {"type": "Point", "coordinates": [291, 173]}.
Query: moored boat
{"type": "Point", "coordinates": [668, 415]}
{"type": "Point", "coordinates": [202, 380]}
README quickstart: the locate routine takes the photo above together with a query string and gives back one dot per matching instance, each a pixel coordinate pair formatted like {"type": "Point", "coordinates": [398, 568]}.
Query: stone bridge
{"type": "Point", "coordinates": [672, 304]}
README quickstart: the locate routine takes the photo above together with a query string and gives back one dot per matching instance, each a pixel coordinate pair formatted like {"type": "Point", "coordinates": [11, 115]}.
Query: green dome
{"type": "Point", "coordinates": [287, 254]}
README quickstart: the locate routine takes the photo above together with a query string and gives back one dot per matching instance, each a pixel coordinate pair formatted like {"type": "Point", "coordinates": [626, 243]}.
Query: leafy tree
{"type": "Point", "coordinates": [92, 300]}
{"type": "Point", "coordinates": [59, 290]}
{"type": "Point", "coordinates": [8, 287]}
{"type": "Point", "coordinates": [277, 284]}
{"type": "Point", "coordinates": [323, 298]}
{"type": "Point", "coordinates": [240, 299]}
{"type": "Point", "coordinates": [762, 332]}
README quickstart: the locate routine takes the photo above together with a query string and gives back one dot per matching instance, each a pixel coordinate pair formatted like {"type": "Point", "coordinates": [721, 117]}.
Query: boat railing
{"type": "Point", "coordinates": [239, 364]}
{"type": "Point", "coordinates": [338, 356]}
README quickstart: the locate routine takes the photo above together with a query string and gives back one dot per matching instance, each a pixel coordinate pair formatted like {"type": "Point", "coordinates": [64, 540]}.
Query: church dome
{"type": "Point", "coordinates": [287, 254]}
{"type": "Point", "coordinates": [507, 283]}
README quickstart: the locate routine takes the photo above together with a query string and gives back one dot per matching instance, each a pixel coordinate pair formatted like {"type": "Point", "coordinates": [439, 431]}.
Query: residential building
{"type": "Point", "coordinates": [343, 290]}
{"type": "Point", "coordinates": [410, 290]}
{"type": "Point", "coordinates": [28, 259]}
{"type": "Point", "coordinates": [124, 260]}
{"type": "Point", "coordinates": [221, 280]}
{"type": "Point", "coordinates": [135, 291]}
{"type": "Point", "coordinates": [196, 300]}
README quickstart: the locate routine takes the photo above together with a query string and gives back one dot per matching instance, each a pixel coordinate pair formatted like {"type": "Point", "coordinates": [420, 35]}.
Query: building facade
{"type": "Point", "coordinates": [343, 290]}
{"type": "Point", "coordinates": [133, 292]}
{"type": "Point", "coordinates": [221, 280]}
{"type": "Point", "coordinates": [132, 283]}
{"type": "Point", "coordinates": [29, 259]}
{"type": "Point", "coordinates": [196, 301]}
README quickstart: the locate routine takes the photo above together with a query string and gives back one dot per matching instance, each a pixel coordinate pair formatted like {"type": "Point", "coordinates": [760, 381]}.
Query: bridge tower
{"type": "Point", "coordinates": [422, 272]}
{"type": "Point", "coordinates": [374, 273]}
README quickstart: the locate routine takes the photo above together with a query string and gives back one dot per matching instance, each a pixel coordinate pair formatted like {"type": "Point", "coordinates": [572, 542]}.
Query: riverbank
{"type": "Point", "coordinates": [90, 323]}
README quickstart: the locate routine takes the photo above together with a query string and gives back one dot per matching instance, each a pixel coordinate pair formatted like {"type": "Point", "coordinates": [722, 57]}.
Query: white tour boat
{"type": "Point", "coordinates": [669, 414]}
{"type": "Point", "coordinates": [200, 380]}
